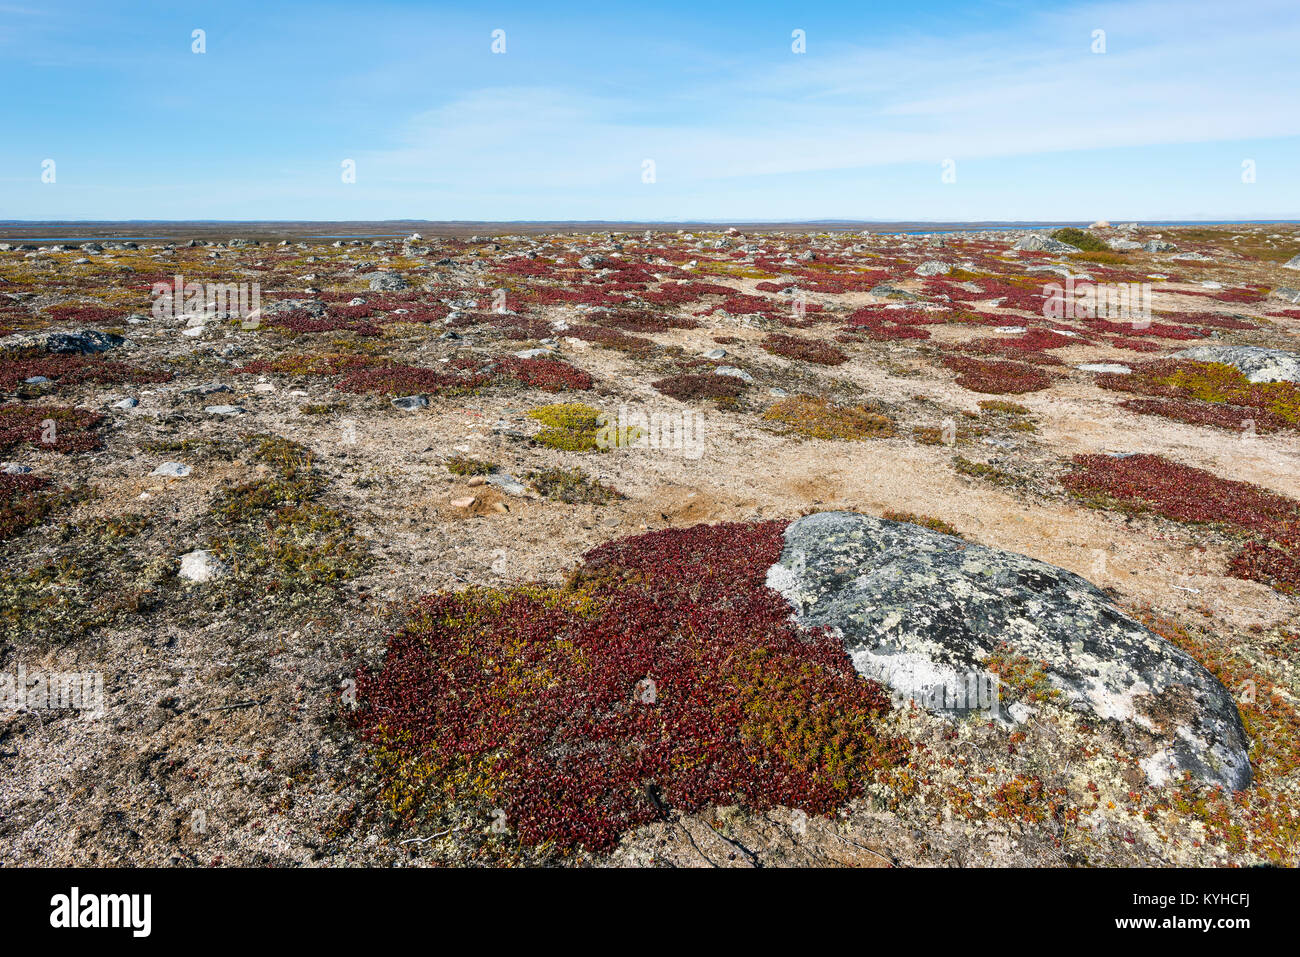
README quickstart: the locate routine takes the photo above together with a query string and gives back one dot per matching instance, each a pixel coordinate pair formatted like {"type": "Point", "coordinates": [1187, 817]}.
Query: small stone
{"type": "Point", "coordinates": [126, 404]}
{"type": "Point", "coordinates": [1115, 367]}
{"type": "Point", "coordinates": [207, 388]}
{"type": "Point", "coordinates": [716, 354]}
{"type": "Point", "coordinates": [172, 470]}
{"type": "Point", "coordinates": [201, 566]}
{"type": "Point", "coordinates": [464, 502]}
{"type": "Point", "coordinates": [410, 403]}
{"type": "Point", "coordinates": [13, 468]}
{"type": "Point", "coordinates": [476, 481]}
{"type": "Point", "coordinates": [224, 410]}
{"type": "Point", "coordinates": [506, 483]}
{"type": "Point", "coordinates": [734, 373]}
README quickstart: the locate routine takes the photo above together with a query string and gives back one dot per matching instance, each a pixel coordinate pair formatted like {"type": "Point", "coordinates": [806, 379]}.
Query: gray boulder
{"type": "Point", "coordinates": [81, 342]}
{"type": "Point", "coordinates": [1258, 364]}
{"type": "Point", "coordinates": [1037, 243]}
{"type": "Point", "coordinates": [388, 282]}
{"type": "Point", "coordinates": [1159, 246]}
{"type": "Point", "coordinates": [918, 610]}
{"type": "Point", "coordinates": [933, 267]}
{"type": "Point", "coordinates": [1292, 263]}
{"type": "Point", "coordinates": [313, 307]}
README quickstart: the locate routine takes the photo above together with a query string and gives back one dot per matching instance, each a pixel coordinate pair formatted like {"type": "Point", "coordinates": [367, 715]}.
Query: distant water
{"type": "Point", "coordinates": [260, 229]}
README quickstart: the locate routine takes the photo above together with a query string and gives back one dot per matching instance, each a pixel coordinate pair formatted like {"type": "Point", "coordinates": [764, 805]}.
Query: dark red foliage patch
{"type": "Point", "coordinates": [693, 385]}
{"type": "Point", "coordinates": [299, 322]}
{"type": "Point", "coordinates": [549, 375]}
{"type": "Point", "coordinates": [997, 378]}
{"type": "Point", "coordinates": [1232, 417]}
{"type": "Point", "coordinates": [1151, 483]}
{"type": "Point", "coordinates": [73, 370]}
{"type": "Point", "coordinates": [80, 312]}
{"type": "Point", "coordinates": [1161, 329]}
{"type": "Point", "coordinates": [664, 677]}
{"type": "Point", "coordinates": [885, 325]}
{"type": "Point", "coordinates": [809, 350]}
{"type": "Point", "coordinates": [1208, 394]}
{"type": "Point", "coordinates": [410, 380]}
{"type": "Point", "coordinates": [1181, 492]}
{"type": "Point", "coordinates": [48, 427]}
{"type": "Point", "coordinates": [1035, 340]}
{"type": "Point", "coordinates": [1216, 319]}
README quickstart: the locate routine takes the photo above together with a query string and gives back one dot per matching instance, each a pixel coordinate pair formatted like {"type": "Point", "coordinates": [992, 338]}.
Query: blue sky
{"type": "Point", "coordinates": [738, 126]}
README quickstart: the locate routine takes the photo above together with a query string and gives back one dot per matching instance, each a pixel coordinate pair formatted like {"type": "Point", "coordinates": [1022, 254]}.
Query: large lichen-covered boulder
{"type": "Point", "coordinates": [1254, 362]}
{"type": "Point", "coordinates": [917, 609]}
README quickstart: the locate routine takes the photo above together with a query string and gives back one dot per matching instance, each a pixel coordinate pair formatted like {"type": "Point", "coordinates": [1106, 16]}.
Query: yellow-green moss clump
{"type": "Point", "coordinates": [572, 486]}
{"type": "Point", "coordinates": [925, 521]}
{"type": "Point", "coordinates": [570, 426]}
{"type": "Point", "coordinates": [280, 540]}
{"type": "Point", "coordinates": [817, 418]}
{"type": "Point", "coordinates": [464, 465]}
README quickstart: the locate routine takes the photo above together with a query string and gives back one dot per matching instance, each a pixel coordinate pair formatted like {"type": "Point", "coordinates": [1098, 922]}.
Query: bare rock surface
{"type": "Point", "coordinates": [918, 609]}
{"type": "Point", "coordinates": [1258, 364]}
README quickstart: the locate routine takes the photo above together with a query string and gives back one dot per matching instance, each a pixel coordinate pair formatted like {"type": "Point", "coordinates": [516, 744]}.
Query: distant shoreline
{"type": "Point", "coordinates": [65, 231]}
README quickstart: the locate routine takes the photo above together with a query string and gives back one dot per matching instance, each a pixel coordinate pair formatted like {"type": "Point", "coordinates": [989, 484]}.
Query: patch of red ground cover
{"type": "Point", "coordinates": [994, 377]}
{"type": "Point", "coordinates": [80, 312]}
{"type": "Point", "coordinates": [887, 325]}
{"type": "Point", "coordinates": [73, 370]}
{"type": "Point", "coordinates": [1151, 483]}
{"type": "Point", "coordinates": [549, 375]}
{"type": "Point", "coordinates": [1208, 393]}
{"type": "Point", "coordinates": [1215, 319]}
{"type": "Point", "coordinates": [1232, 417]}
{"type": "Point", "coordinates": [409, 380]}
{"type": "Point", "coordinates": [48, 427]}
{"type": "Point", "coordinates": [1130, 328]}
{"type": "Point", "coordinates": [691, 385]}
{"type": "Point", "coordinates": [809, 350]}
{"type": "Point", "coordinates": [664, 677]}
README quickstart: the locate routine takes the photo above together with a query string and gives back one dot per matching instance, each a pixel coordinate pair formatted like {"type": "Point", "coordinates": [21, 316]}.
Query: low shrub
{"type": "Point", "coordinates": [819, 418]}
{"type": "Point", "coordinates": [664, 677]}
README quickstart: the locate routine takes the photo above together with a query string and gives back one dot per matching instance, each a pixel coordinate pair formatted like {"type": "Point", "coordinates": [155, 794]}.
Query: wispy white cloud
{"type": "Point", "coordinates": [1172, 73]}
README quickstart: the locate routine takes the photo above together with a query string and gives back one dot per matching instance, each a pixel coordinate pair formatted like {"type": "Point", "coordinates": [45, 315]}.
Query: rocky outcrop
{"type": "Point", "coordinates": [1043, 244]}
{"type": "Point", "coordinates": [81, 342]}
{"type": "Point", "coordinates": [388, 282]}
{"type": "Point", "coordinates": [924, 612]}
{"type": "Point", "coordinates": [1256, 363]}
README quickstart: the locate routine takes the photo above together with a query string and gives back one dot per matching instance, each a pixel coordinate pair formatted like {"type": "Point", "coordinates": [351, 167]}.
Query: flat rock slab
{"type": "Point", "coordinates": [81, 342]}
{"type": "Point", "coordinates": [917, 609]}
{"type": "Point", "coordinates": [1256, 363]}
